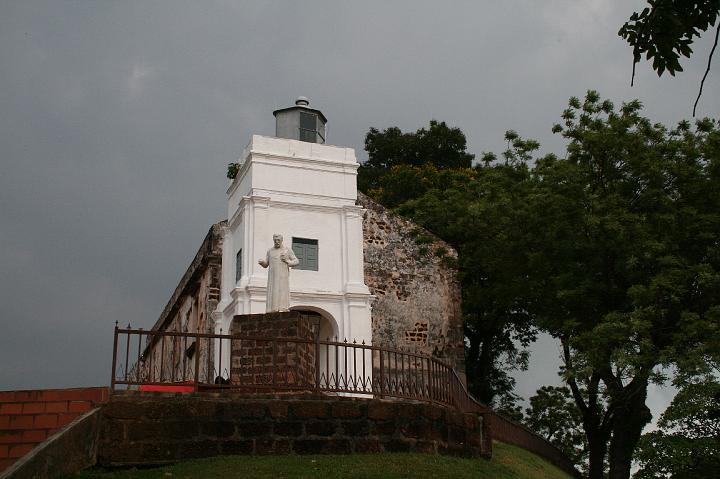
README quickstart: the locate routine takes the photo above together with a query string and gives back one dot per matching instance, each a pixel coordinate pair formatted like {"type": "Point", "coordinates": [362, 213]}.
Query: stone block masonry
{"type": "Point", "coordinates": [281, 363]}
{"type": "Point", "coordinates": [411, 273]}
{"type": "Point", "coordinates": [145, 430]}
{"type": "Point", "coordinates": [27, 418]}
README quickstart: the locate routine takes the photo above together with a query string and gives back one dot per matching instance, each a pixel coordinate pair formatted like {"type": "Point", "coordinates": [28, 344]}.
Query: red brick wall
{"type": "Point", "coordinates": [254, 361]}
{"type": "Point", "coordinates": [27, 418]}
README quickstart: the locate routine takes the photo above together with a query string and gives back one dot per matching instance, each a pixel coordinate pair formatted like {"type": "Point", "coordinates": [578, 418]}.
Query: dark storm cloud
{"type": "Point", "coordinates": [117, 121]}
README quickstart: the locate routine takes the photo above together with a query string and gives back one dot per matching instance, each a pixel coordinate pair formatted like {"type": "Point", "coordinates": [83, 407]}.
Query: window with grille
{"type": "Point", "coordinates": [309, 128]}
{"type": "Point", "coordinates": [306, 251]}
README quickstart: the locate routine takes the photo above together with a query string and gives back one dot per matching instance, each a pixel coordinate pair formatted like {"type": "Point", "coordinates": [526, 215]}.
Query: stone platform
{"type": "Point", "coordinates": [278, 360]}
{"type": "Point", "coordinates": [146, 430]}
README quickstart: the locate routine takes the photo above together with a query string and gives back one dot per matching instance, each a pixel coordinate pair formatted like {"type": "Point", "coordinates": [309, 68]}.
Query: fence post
{"type": "Point", "coordinates": [429, 379]}
{"type": "Point", "coordinates": [114, 360]}
{"type": "Point", "coordinates": [220, 354]}
{"type": "Point", "coordinates": [317, 360]}
{"type": "Point", "coordinates": [382, 373]}
{"type": "Point", "coordinates": [197, 361]}
{"type": "Point", "coordinates": [137, 364]}
{"type": "Point", "coordinates": [210, 350]}
{"type": "Point", "coordinates": [127, 353]}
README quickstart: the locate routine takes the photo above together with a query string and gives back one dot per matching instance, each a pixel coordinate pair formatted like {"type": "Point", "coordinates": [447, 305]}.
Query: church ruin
{"type": "Point", "coordinates": [363, 275]}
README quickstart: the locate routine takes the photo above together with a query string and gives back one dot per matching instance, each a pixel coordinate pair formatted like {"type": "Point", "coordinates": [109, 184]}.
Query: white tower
{"type": "Point", "coordinates": [305, 190]}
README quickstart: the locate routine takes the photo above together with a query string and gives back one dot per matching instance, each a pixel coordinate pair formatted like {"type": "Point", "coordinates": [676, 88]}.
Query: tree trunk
{"type": "Point", "coordinates": [630, 419]}
{"type": "Point", "coordinates": [486, 394]}
{"type": "Point", "coordinates": [597, 448]}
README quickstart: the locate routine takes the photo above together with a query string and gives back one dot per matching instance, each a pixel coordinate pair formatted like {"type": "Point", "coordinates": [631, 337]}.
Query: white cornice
{"type": "Point", "coordinates": [304, 163]}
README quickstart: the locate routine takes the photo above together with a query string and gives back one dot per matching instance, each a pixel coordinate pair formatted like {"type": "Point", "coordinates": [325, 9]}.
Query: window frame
{"type": "Point", "coordinates": [307, 244]}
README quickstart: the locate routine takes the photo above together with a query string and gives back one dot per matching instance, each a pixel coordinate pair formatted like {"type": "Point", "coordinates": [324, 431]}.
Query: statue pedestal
{"type": "Point", "coordinates": [273, 351]}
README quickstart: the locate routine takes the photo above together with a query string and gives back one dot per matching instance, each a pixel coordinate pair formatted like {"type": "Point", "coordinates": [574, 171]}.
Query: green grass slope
{"type": "Point", "coordinates": [508, 462]}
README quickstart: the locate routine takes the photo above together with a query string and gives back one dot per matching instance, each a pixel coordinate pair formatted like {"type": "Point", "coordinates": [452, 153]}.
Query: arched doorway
{"type": "Point", "coordinates": [326, 331]}
{"type": "Point", "coordinates": [322, 322]}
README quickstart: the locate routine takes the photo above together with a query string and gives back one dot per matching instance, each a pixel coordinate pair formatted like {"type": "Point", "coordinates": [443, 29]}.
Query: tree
{"type": "Point", "coordinates": [440, 145]}
{"type": "Point", "coordinates": [554, 415]}
{"type": "Point", "coordinates": [479, 212]}
{"type": "Point", "coordinates": [626, 259]}
{"type": "Point", "coordinates": [687, 444]}
{"type": "Point", "coordinates": [666, 29]}
{"type": "Point", "coordinates": [427, 176]}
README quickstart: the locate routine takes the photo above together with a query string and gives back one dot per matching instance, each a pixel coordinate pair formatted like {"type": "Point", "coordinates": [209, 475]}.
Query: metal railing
{"type": "Point", "coordinates": [153, 360]}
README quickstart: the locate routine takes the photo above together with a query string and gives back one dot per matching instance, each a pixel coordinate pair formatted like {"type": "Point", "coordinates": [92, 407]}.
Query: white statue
{"type": "Point", "coordinates": [279, 259]}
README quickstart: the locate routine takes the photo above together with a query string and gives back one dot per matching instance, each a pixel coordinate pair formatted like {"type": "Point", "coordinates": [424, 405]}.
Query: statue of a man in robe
{"type": "Point", "coordinates": [279, 259]}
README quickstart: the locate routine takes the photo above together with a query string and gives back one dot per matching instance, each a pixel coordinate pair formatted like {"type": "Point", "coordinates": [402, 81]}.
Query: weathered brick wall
{"type": "Point", "coordinates": [418, 294]}
{"type": "Point", "coordinates": [27, 418]}
{"type": "Point", "coordinates": [139, 430]}
{"type": "Point", "coordinates": [189, 309]}
{"type": "Point", "coordinates": [256, 361]}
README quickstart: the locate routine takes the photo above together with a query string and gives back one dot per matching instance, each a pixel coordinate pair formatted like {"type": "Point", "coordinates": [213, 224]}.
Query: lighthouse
{"type": "Point", "coordinates": [297, 185]}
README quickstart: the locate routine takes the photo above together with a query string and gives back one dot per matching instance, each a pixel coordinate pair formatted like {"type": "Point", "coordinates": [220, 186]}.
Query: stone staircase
{"type": "Point", "coordinates": [27, 418]}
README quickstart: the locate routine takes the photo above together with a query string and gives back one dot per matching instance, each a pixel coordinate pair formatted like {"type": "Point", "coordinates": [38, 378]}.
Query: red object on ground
{"type": "Point", "coordinates": [179, 388]}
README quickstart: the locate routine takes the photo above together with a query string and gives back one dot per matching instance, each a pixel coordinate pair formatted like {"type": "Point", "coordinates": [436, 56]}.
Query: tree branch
{"type": "Point", "coordinates": [717, 32]}
{"type": "Point", "coordinates": [635, 62]}
{"type": "Point", "coordinates": [571, 381]}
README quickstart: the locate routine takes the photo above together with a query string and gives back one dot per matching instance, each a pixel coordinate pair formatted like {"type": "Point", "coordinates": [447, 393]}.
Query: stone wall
{"type": "Point", "coordinates": [411, 273]}
{"type": "Point", "coordinates": [189, 309]}
{"type": "Point", "coordinates": [144, 430]}
{"type": "Point", "coordinates": [198, 292]}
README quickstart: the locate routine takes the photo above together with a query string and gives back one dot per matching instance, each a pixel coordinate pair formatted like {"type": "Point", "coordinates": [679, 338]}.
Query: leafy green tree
{"type": "Point", "coordinates": [508, 404]}
{"type": "Point", "coordinates": [666, 29]}
{"type": "Point", "coordinates": [479, 212]}
{"type": "Point", "coordinates": [554, 415]}
{"type": "Point", "coordinates": [427, 176]}
{"type": "Point", "coordinates": [687, 444]}
{"type": "Point", "coordinates": [440, 145]}
{"type": "Point", "coordinates": [626, 262]}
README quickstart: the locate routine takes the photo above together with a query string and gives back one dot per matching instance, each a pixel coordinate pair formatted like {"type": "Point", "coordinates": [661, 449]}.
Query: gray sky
{"type": "Point", "coordinates": [117, 121]}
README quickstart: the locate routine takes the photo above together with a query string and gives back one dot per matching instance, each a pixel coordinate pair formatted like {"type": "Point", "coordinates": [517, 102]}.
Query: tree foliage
{"type": "Point", "coordinates": [613, 249]}
{"type": "Point", "coordinates": [666, 29]}
{"type": "Point", "coordinates": [627, 258]}
{"type": "Point", "coordinates": [439, 145]}
{"type": "Point", "coordinates": [478, 211]}
{"type": "Point", "coordinates": [554, 415]}
{"type": "Point", "coordinates": [687, 443]}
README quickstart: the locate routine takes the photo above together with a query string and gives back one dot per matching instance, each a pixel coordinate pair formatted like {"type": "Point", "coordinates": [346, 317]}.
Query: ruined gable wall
{"type": "Point", "coordinates": [189, 308]}
{"type": "Point", "coordinates": [418, 294]}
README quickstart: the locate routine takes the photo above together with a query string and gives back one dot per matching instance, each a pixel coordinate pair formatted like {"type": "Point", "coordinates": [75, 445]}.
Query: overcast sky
{"type": "Point", "coordinates": [118, 119]}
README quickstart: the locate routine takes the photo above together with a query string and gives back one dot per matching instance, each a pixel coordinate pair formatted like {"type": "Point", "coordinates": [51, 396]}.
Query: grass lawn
{"type": "Point", "coordinates": [507, 462]}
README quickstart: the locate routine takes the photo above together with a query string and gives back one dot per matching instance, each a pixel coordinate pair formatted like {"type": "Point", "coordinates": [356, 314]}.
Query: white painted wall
{"type": "Point", "coordinates": [305, 190]}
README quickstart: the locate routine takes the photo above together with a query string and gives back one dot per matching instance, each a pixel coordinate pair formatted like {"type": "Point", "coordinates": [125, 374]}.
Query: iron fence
{"type": "Point", "coordinates": [165, 360]}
